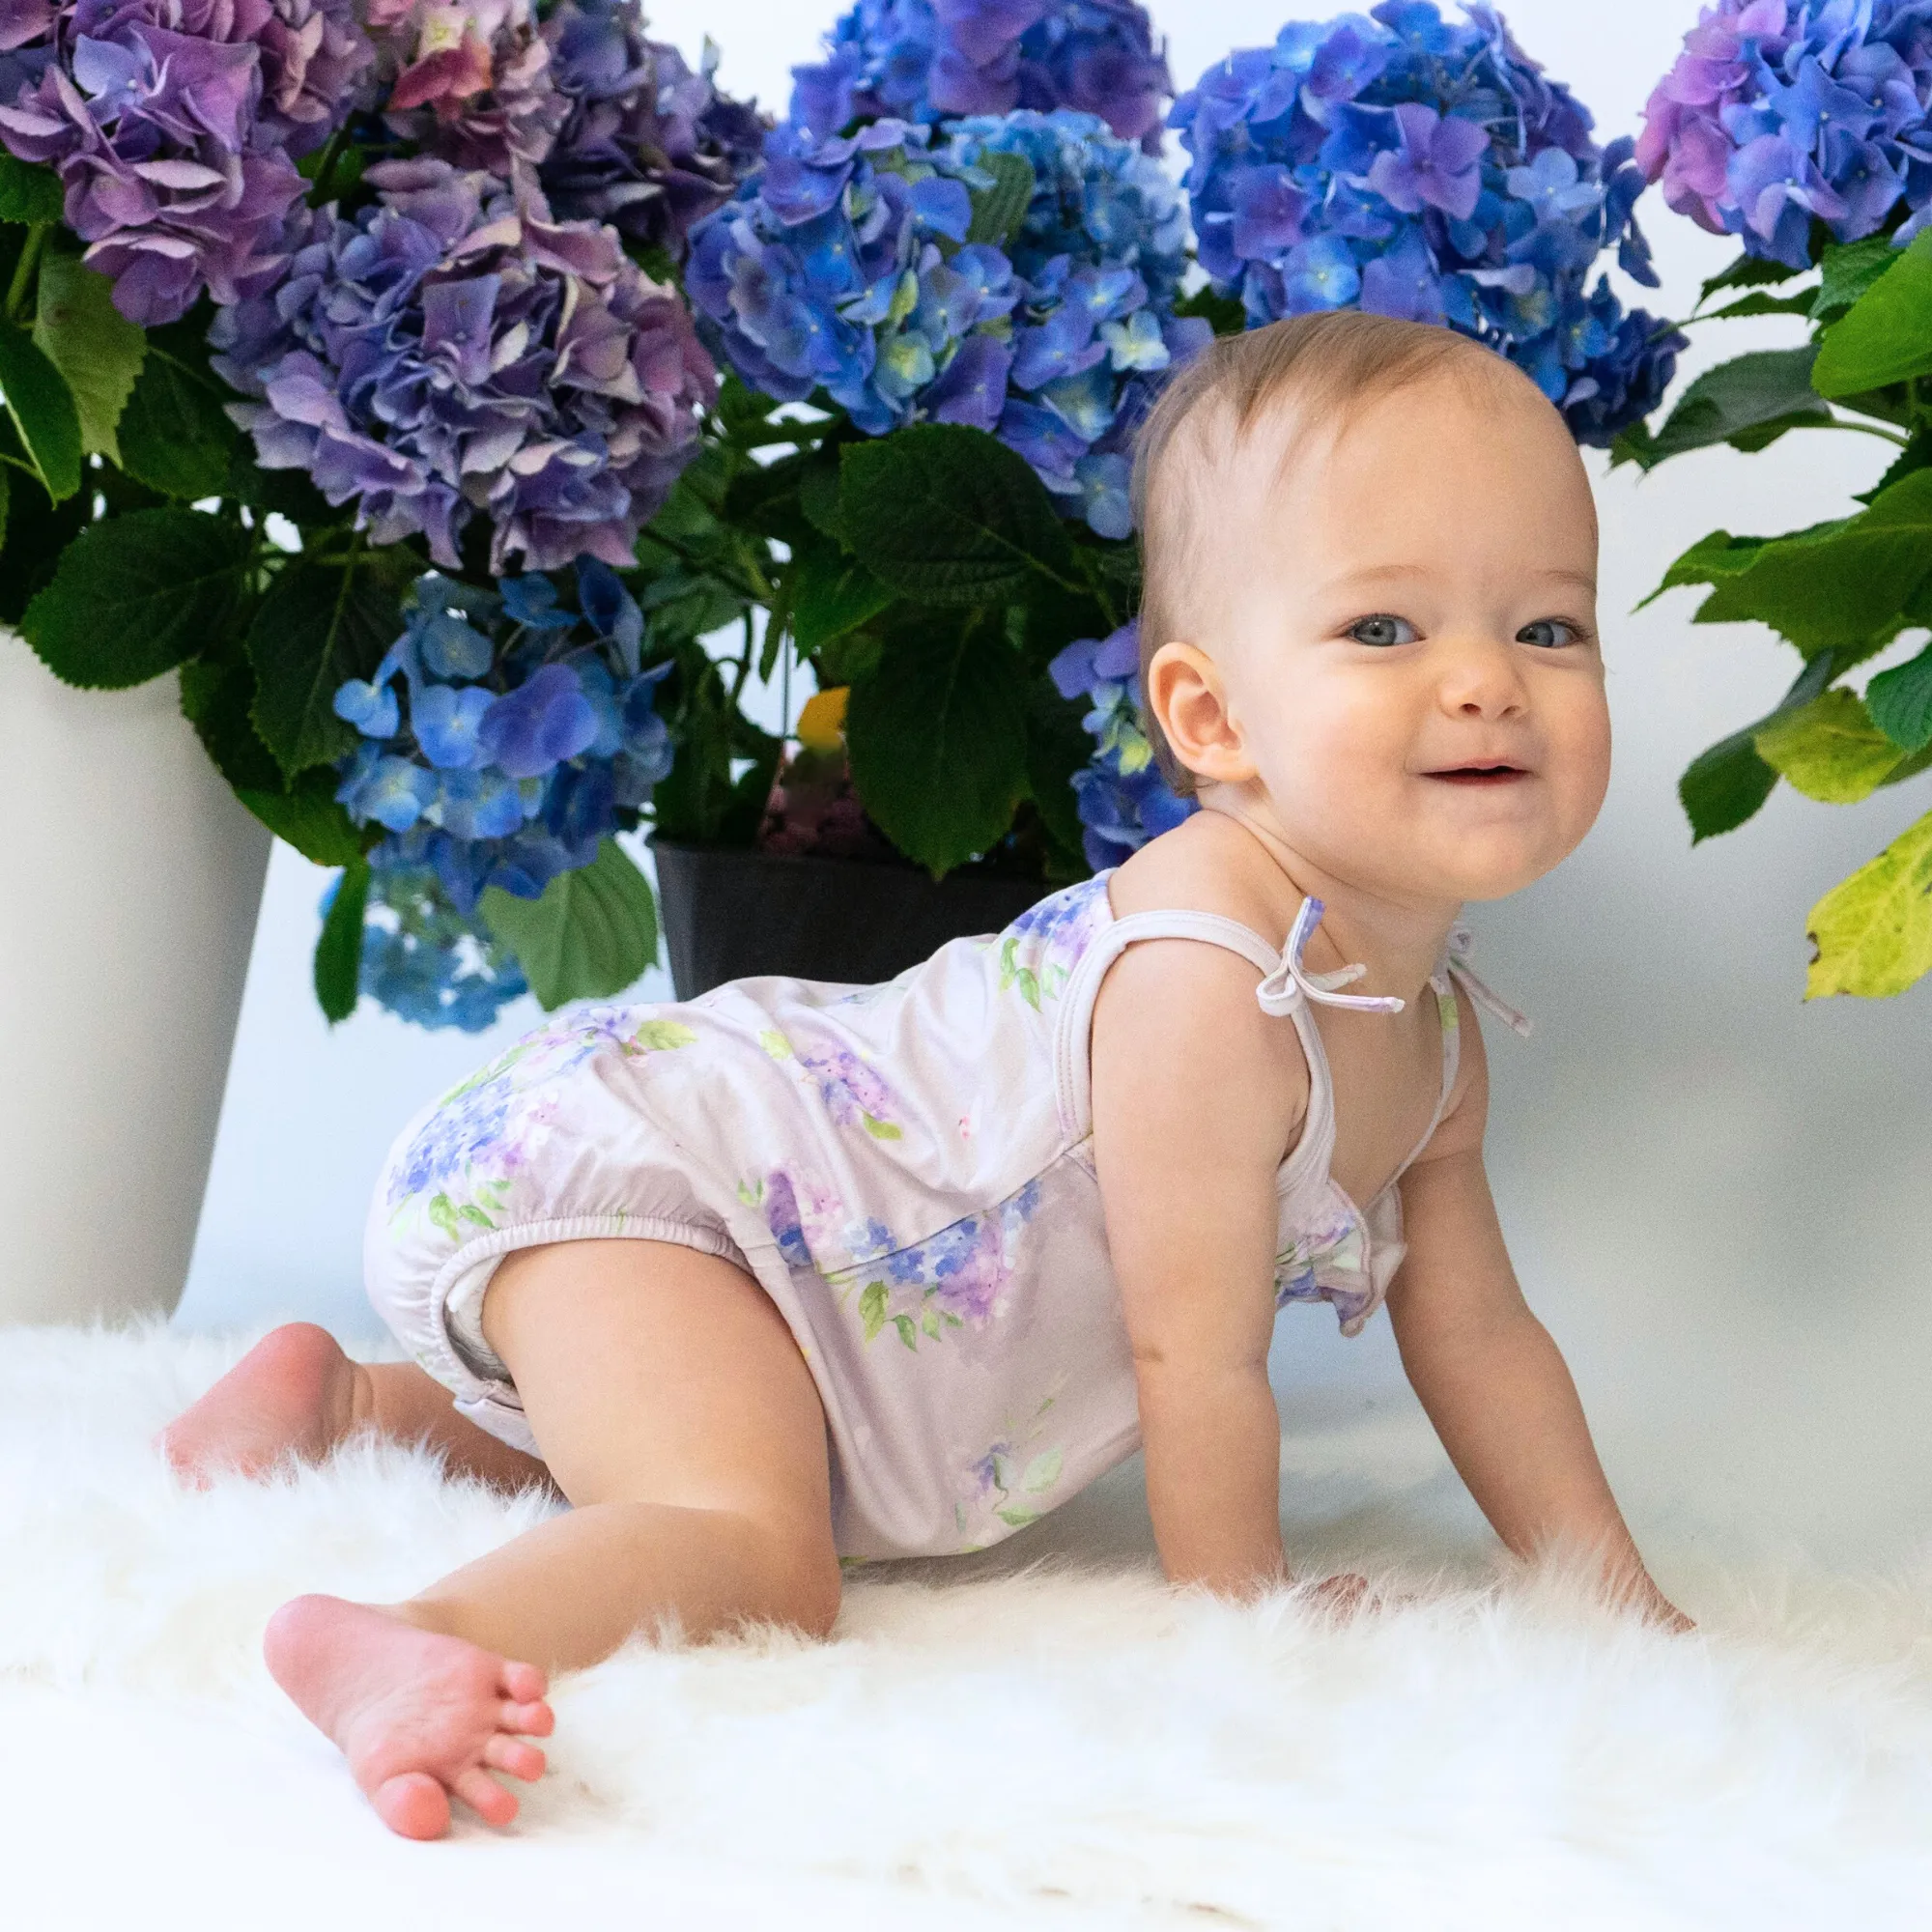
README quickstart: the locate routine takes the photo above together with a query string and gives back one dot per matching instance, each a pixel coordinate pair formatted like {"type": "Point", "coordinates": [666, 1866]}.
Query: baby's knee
{"type": "Point", "coordinates": [806, 1585]}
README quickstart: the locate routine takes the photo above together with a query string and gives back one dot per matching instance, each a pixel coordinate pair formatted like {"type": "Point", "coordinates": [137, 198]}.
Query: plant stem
{"type": "Point", "coordinates": [1890, 435]}
{"type": "Point", "coordinates": [26, 272]}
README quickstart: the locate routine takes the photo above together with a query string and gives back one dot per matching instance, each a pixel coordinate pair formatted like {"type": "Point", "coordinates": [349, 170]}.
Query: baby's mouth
{"type": "Point", "coordinates": [1479, 775]}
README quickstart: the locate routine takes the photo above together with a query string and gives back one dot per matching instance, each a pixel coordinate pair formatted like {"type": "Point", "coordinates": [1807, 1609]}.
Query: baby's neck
{"type": "Point", "coordinates": [1399, 940]}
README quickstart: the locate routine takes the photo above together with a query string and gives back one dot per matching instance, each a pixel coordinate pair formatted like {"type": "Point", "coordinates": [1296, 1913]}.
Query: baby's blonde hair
{"type": "Point", "coordinates": [1324, 367]}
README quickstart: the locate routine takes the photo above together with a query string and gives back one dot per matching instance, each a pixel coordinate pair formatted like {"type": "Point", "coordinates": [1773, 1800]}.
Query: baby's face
{"type": "Point", "coordinates": [1406, 633]}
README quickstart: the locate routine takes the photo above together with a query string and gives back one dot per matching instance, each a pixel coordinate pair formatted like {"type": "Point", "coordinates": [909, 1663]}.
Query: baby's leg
{"type": "Point", "coordinates": [295, 1394]}
{"type": "Point", "coordinates": [677, 1415]}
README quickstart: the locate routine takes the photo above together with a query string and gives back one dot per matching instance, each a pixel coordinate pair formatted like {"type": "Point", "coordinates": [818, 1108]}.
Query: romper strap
{"type": "Point", "coordinates": [1456, 961]}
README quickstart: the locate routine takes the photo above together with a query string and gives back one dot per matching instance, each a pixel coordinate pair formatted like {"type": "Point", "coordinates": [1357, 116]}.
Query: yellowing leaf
{"type": "Point", "coordinates": [1828, 749]}
{"type": "Point", "coordinates": [1874, 932]}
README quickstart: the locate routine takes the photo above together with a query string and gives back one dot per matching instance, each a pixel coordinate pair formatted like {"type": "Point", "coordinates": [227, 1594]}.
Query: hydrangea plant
{"type": "Point", "coordinates": [1015, 274]}
{"type": "Point", "coordinates": [1427, 169]}
{"type": "Point", "coordinates": [353, 365]}
{"type": "Point", "coordinates": [1802, 130]}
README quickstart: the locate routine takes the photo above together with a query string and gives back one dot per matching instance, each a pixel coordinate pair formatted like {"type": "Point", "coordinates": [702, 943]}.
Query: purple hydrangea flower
{"type": "Point", "coordinates": [173, 123]}
{"type": "Point", "coordinates": [451, 350]}
{"type": "Point", "coordinates": [933, 60]}
{"type": "Point", "coordinates": [1777, 116]}
{"type": "Point", "coordinates": [1120, 795]}
{"type": "Point", "coordinates": [844, 268]}
{"type": "Point", "coordinates": [648, 145]}
{"type": "Point", "coordinates": [468, 81]}
{"type": "Point", "coordinates": [1427, 169]}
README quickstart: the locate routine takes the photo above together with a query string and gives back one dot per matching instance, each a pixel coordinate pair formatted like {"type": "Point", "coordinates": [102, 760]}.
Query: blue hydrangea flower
{"type": "Point", "coordinates": [504, 735]}
{"type": "Point", "coordinates": [933, 60]}
{"type": "Point", "coordinates": [844, 270]}
{"type": "Point", "coordinates": [1426, 168]}
{"type": "Point", "coordinates": [1776, 115]}
{"type": "Point", "coordinates": [423, 960]}
{"type": "Point", "coordinates": [1120, 795]}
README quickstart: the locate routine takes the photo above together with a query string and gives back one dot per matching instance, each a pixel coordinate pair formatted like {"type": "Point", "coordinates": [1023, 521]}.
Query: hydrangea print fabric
{"type": "Point", "coordinates": [1427, 169]}
{"type": "Point", "coordinates": [936, 60]}
{"type": "Point", "coordinates": [847, 265]}
{"type": "Point", "coordinates": [1779, 114]}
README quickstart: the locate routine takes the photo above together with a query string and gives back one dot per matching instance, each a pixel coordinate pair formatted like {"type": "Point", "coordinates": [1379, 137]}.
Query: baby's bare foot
{"type": "Point", "coordinates": [420, 1715]}
{"type": "Point", "coordinates": [292, 1394]}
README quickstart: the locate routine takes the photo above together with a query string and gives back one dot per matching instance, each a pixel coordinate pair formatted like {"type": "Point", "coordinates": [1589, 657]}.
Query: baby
{"type": "Point", "coordinates": [793, 1274]}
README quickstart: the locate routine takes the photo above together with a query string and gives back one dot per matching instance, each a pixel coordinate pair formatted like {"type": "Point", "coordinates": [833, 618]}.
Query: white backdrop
{"type": "Point", "coordinates": [1716, 1198]}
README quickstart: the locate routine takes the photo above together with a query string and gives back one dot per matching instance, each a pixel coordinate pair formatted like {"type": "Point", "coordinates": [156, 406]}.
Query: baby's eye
{"type": "Point", "coordinates": [1550, 632]}
{"type": "Point", "coordinates": [1384, 631]}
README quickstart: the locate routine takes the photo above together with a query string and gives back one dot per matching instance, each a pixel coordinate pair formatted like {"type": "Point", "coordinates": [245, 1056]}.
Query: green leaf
{"type": "Point", "coordinates": [95, 347]}
{"type": "Point", "coordinates": [872, 1310]}
{"type": "Point", "coordinates": [319, 625]}
{"type": "Point", "coordinates": [1708, 561]}
{"type": "Point", "coordinates": [6, 505]}
{"type": "Point", "coordinates": [175, 434]}
{"type": "Point", "coordinates": [1848, 271]}
{"type": "Point", "coordinates": [29, 194]}
{"type": "Point", "coordinates": [1900, 702]}
{"type": "Point", "coordinates": [1725, 785]}
{"type": "Point", "coordinates": [1746, 272]}
{"type": "Point", "coordinates": [948, 515]}
{"type": "Point", "coordinates": [307, 816]}
{"type": "Point", "coordinates": [137, 595]}
{"type": "Point", "coordinates": [338, 949]}
{"type": "Point", "coordinates": [938, 740]}
{"type": "Point", "coordinates": [1874, 931]}
{"type": "Point", "coordinates": [1886, 335]}
{"type": "Point", "coordinates": [1747, 402]}
{"type": "Point", "coordinates": [832, 594]}
{"type": "Point", "coordinates": [1057, 747]}
{"type": "Point", "coordinates": [908, 1331]}
{"type": "Point", "coordinates": [1843, 583]}
{"type": "Point", "coordinates": [1829, 749]}
{"type": "Point", "coordinates": [37, 534]}
{"type": "Point", "coordinates": [218, 696]}
{"type": "Point", "coordinates": [1016, 1517]}
{"type": "Point", "coordinates": [42, 411]}
{"type": "Point", "coordinates": [998, 210]}
{"type": "Point", "coordinates": [1224, 314]}
{"type": "Point", "coordinates": [1041, 1473]}
{"type": "Point", "coordinates": [593, 933]}
{"type": "Point", "coordinates": [1758, 303]}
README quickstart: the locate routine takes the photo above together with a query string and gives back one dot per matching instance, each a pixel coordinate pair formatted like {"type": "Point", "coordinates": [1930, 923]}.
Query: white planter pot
{"type": "Point", "coordinates": [130, 881]}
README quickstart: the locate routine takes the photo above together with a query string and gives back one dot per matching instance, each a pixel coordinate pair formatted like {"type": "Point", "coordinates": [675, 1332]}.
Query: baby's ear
{"type": "Point", "coordinates": [1187, 699]}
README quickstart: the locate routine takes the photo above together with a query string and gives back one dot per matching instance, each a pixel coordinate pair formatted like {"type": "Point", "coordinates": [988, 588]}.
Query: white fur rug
{"type": "Point", "coordinates": [1048, 1735]}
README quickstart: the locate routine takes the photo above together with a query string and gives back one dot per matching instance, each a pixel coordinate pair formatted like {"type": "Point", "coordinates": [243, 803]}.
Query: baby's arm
{"type": "Point", "coordinates": [1485, 1367]}
{"type": "Point", "coordinates": [1196, 1094]}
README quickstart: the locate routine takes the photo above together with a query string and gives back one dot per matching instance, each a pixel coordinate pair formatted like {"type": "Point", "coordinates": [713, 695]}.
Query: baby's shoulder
{"type": "Point", "coordinates": [1208, 864]}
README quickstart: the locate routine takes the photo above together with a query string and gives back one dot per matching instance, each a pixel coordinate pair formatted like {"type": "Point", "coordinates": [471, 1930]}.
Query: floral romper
{"type": "Point", "coordinates": [908, 1171]}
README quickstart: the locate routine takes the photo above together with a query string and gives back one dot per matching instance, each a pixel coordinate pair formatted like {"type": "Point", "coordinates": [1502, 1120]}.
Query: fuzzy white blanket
{"type": "Point", "coordinates": [1045, 1736]}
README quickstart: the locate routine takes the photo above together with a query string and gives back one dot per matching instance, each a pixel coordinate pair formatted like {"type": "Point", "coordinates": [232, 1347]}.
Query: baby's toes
{"type": "Point", "coordinates": [515, 1756]}
{"type": "Point", "coordinates": [485, 1796]}
{"type": "Point", "coordinates": [523, 1683]}
{"type": "Point", "coordinates": [412, 1804]}
{"type": "Point", "coordinates": [529, 1720]}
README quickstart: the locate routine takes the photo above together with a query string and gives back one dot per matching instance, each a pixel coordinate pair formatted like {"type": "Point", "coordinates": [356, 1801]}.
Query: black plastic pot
{"type": "Point", "coordinates": [730, 913]}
